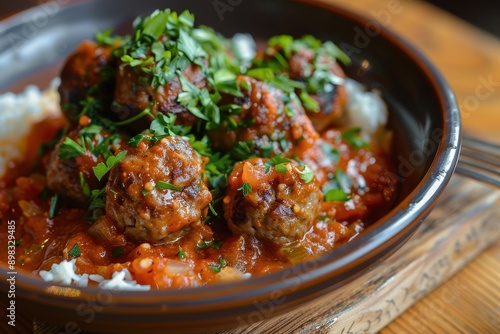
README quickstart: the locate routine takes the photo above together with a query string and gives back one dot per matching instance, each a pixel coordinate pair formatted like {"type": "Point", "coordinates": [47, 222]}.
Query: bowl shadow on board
{"type": "Point", "coordinates": [424, 119]}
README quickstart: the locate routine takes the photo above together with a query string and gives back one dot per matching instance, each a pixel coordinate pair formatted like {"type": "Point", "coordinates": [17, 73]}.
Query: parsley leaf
{"type": "Point", "coordinates": [166, 185]}
{"type": "Point", "coordinates": [246, 188]}
{"type": "Point", "coordinates": [343, 180]}
{"type": "Point", "coordinates": [103, 168]}
{"type": "Point", "coordinates": [189, 97]}
{"type": "Point", "coordinates": [84, 186]}
{"type": "Point", "coordinates": [75, 252]}
{"type": "Point", "coordinates": [97, 199]}
{"type": "Point", "coordinates": [181, 254]}
{"type": "Point", "coordinates": [207, 244]}
{"type": "Point", "coordinates": [190, 47]}
{"type": "Point", "coordinates": [55, 206]}
{"type": "Point", "coordinates": [332, 154]}
{"type": "Point", "coordinates": [155, 24]}
{"type": "Point", "coordinates": [307, 174]}
{"type": "Point", "coordinates": [105, 38]}
{"type": "Point", "coordinates": [308, 102]}
{"type": "Point", "coordinates": [70, 149]}
{"type": "Point", "coordinates": [336, 195]}
{"type": "Point", "coordinates": [243, 150]}
{"type": "Point", "coordinates": [217, 268]}
{"type": "Point", "coordinates": [278, 162]}
{"type": "Point", "coordinates": [353, 138]}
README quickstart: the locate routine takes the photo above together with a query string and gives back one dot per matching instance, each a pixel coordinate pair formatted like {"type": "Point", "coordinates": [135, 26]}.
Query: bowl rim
{"type": "Point", "coordinates": [401, 221]}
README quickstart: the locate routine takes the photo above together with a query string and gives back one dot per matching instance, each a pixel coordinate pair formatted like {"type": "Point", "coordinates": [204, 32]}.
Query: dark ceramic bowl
{"type": "Point", "coordinates": [424, 117]}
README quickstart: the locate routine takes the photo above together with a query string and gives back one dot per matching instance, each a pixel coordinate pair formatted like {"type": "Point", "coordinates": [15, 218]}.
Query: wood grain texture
{"type": "Point", "coordinates": [469, 58]}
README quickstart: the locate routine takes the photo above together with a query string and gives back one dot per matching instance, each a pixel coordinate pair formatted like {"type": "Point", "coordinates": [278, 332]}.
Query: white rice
{"type": "Point", "coordinates": [364, 108]}
{"type": "Point", "coordinates": [18, 113]}
{"type": "Point", "coordinates": [64, 273]}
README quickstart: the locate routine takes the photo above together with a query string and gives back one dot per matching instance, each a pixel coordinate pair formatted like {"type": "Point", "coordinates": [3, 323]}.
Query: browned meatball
{"type": "Point", "coordinates": [331, 98]}
{"type": "Point", "coordinates": [271, 203]}
{"type": "Point", "coordinates": [69, 173]}
{"type": "Point", "coordinates": [264, 120]}
{"type": "Point", "coordinates": [82, 71]}
{"type": "Point", "coordinates": [157, 190]}
{"type": "Point", "coordinates": [313, 65]}
{"type": "Point", "coordinates": [134, 93]}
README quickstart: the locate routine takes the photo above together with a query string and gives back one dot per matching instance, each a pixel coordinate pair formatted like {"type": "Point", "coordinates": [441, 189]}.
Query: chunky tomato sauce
{"type": "Point", "coordinates": [214, 171]}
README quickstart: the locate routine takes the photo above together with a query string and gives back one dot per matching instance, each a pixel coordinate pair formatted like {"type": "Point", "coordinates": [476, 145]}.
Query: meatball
{"type": "Point", "coordinates": [263, 120]}
{"type": "Point", "coordinates": [276, 204]}
{"type": "Point", "coordinates": [83, 71]}
{"type": "Point", "coordinates": [321, 74]}
{"type": "Point", "coordinates": [331, 98]}
{"type": "Point", "coordinates": [157, 190]}
{"type": "Point", "coordinates": [134, 93]}
{"type": "Point", "coordinates": [69, 169]}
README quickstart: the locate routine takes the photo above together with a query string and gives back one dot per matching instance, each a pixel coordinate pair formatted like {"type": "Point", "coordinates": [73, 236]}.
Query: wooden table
{"type": "Point", "coordinates": [469, 58]}
{"type": "Point", "coordinates": [464, 248]}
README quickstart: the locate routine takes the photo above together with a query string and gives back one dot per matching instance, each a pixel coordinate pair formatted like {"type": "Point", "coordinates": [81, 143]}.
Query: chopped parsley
{"type": "Point", "coordinates": [166, 185]}
{"type": "Point", "coordinates": [207, 244]}
{"type": "Point", "coordinates": [338, 188]}
{"type": "Point", "coordinates": [104, 38]}
{"type": "Point", "coordinates": [217, 268]}
{"type": "Point", "coordinates": [336, 195]}
{"type": "Point", "coordinates": [307, 174]}
{"type": "Point", "coordinates": [278, 162]}
{"type": "Point", "coordinates": [97, 200]}
{"type": "Point", "coordinates": [246, 188]}
{"type": "Point", "coordinates": [353, 138]}
{"type": "Point", "coordinates": [84, 185]}
{"type": "Point", "coordinates": [55, 205]}
{"type": "Point", "coordinates": [331, 153]}
{"type": "Point", "coordinates": [70, 149]}
{"type": "Point", "coordinates": [181, 254]}
{"type": "Point", "coordinates": [103, 168]}
{"type": "Point", "coordinates": [75, 252]}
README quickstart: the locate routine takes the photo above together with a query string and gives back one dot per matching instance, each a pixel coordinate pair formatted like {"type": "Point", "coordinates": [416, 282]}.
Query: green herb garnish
{"type": "Point", "coordinates": [336, 195]}
{"type": "Point", "coordinates": [278, 162]}
{"type": "Point", "coordinates": [246, 188]}
{"type": "Point", "coordinates": [181, 254]}
{"type": "Point", "coordinates": [166, 185]}
{"type": "Point", "coordinates": [75, 252]}
{"type": "Point", "coordinates": [217, 268]}
{"type": "Point", "coordinates": [103, 168]}
{"type": "Point", "coordinates": [307, 174]}
{"type": "Point", "coordinates": [353, 138]}
{"type": "Point", "coordinates": [70, 149]}
{"type": "Point", "coordinates": [211, 243]}
{"type": "Point", "coordinates": [55, 206]}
